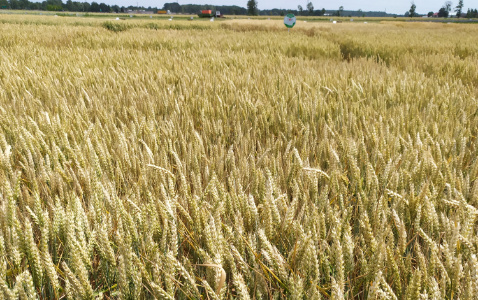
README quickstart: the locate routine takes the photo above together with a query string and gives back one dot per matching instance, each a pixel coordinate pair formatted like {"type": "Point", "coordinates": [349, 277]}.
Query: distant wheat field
{"type": "Point", "coordinates": [155, 159]}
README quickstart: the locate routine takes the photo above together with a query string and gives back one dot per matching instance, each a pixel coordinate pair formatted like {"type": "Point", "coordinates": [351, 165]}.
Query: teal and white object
{"type": "Point", "coordinates": [289, 20]}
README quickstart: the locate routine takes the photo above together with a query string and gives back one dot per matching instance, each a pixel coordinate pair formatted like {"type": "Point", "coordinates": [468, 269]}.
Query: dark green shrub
{"type": "Point", "coordinates": [152, 26]}
{"type": "Point", "coordinates": [115, 26]}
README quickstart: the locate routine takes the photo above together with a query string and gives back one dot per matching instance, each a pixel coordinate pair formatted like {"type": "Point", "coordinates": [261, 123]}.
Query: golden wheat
{"type": "Point", "coordinates": [213, 160]}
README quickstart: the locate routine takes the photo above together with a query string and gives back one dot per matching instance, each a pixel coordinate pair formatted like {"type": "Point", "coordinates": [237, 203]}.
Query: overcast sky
{"type": "Point", "coordinates": [394, 6]}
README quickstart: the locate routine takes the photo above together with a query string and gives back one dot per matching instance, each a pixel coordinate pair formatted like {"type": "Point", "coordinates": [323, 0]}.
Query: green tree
{"type": "Point", "coordinates": [443, 13]}
{"type": "Point", "coordinates": [252, 8]}
{"type": "Point", "coordinates": [310, 8]}
{"type": "Point", "coordinates": [173, 7]}
{"type": "Point", "coordinates": [300, 9]}
{"type": "Point", "coordinates": [24, 4]}
{"type": "Point", "coordinates": [471, 13]}
{"type": "Point", "coordinates": [14, 4]}
{"type": "Point", "coordinates": [86, 6]}
{"type": "Point", "coordinates": [104, 7]}
{"type": "Point", "coordinates": [340, 11]}
{"type": "Point", "coordinates": [430, 14]}
{"type": "Point", "coordinates": [448, 6]}
{"type": "Point", "coordinates": [459, 8]}
{"type": "Point", "coordinates": [412, 10]}
{"type": "Point", "coordinates": [95, 7]}
{"type": "Point", "coordinates": [69, 5]}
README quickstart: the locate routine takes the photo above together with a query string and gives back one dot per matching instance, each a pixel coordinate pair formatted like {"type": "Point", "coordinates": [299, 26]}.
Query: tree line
{"type": "Point", "coordinates": [311, 11]}
{"type": "Point", "coordinates": [58, 5]}
{"type": "Point", "coordinates": [175, 7]}
{"type": "Point", "coordinates": [251, 9]}
{"type": "Point", "coordinates": [445, 10]}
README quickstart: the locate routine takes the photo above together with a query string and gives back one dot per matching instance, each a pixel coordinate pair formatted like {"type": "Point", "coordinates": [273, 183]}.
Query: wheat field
{"type": "Point", "coordinates": [155, 159]}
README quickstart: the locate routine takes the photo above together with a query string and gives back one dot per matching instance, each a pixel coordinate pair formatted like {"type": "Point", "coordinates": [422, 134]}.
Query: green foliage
{"type": "Point", "coordinates": [310, 7]}
{"type": "Point", "coordinates": [412, 10]}
{"type": "Point", "coordinates": [119, 26]}
{"type": "Point", "coordinates": [173, 7]}
{"type": "Point", "coordinates": [53, 7]}
{"type": "Point", "coordinates": [443, 13]}
{"type": "Point", "coordinates": [472, 13]}
{"type": "Point", "coordinates": [459, 8]}
{"type": "Point", "coordinates": [252, 8]}
{"type": "Point", "coordinates": [154, 26]}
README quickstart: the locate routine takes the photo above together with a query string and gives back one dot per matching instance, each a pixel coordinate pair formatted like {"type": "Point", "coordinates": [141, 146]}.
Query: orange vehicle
{"type": "Point", "coordinates": [207, 13]}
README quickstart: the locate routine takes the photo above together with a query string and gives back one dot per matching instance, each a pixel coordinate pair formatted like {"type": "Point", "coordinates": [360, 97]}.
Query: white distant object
{"type": "Point", "coordinates": [56, 16]}
{"type": "Point", "coordinates": [351, 20]}
{"type": "Point", "coordinates": [192, 18]}
{"type": "Point", "coordinates": [268, 18]}
{"type": "Point", "coordinates": [130, 16]}
{"type": "Point", "coordinates": [168, 12]}
{"type": "Point", "coordinates": [218, 14]}
{"type": "Point", "coordinates": [212, 19]}
{"type": "Point", "coordinates": [335, 22]}
{"type": "Point", "coordinates": [331, 20]}
{"type": "Point", "coordinates": [77, 15]}
{"type": "Point", "coordinates": [117, 18]}
{"type": "Point", "coordinates": [365, 22]}
{"type": "Point", "coordinates": [305, 21]}
{"type": "Point", "coordinates": [150, 17]}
